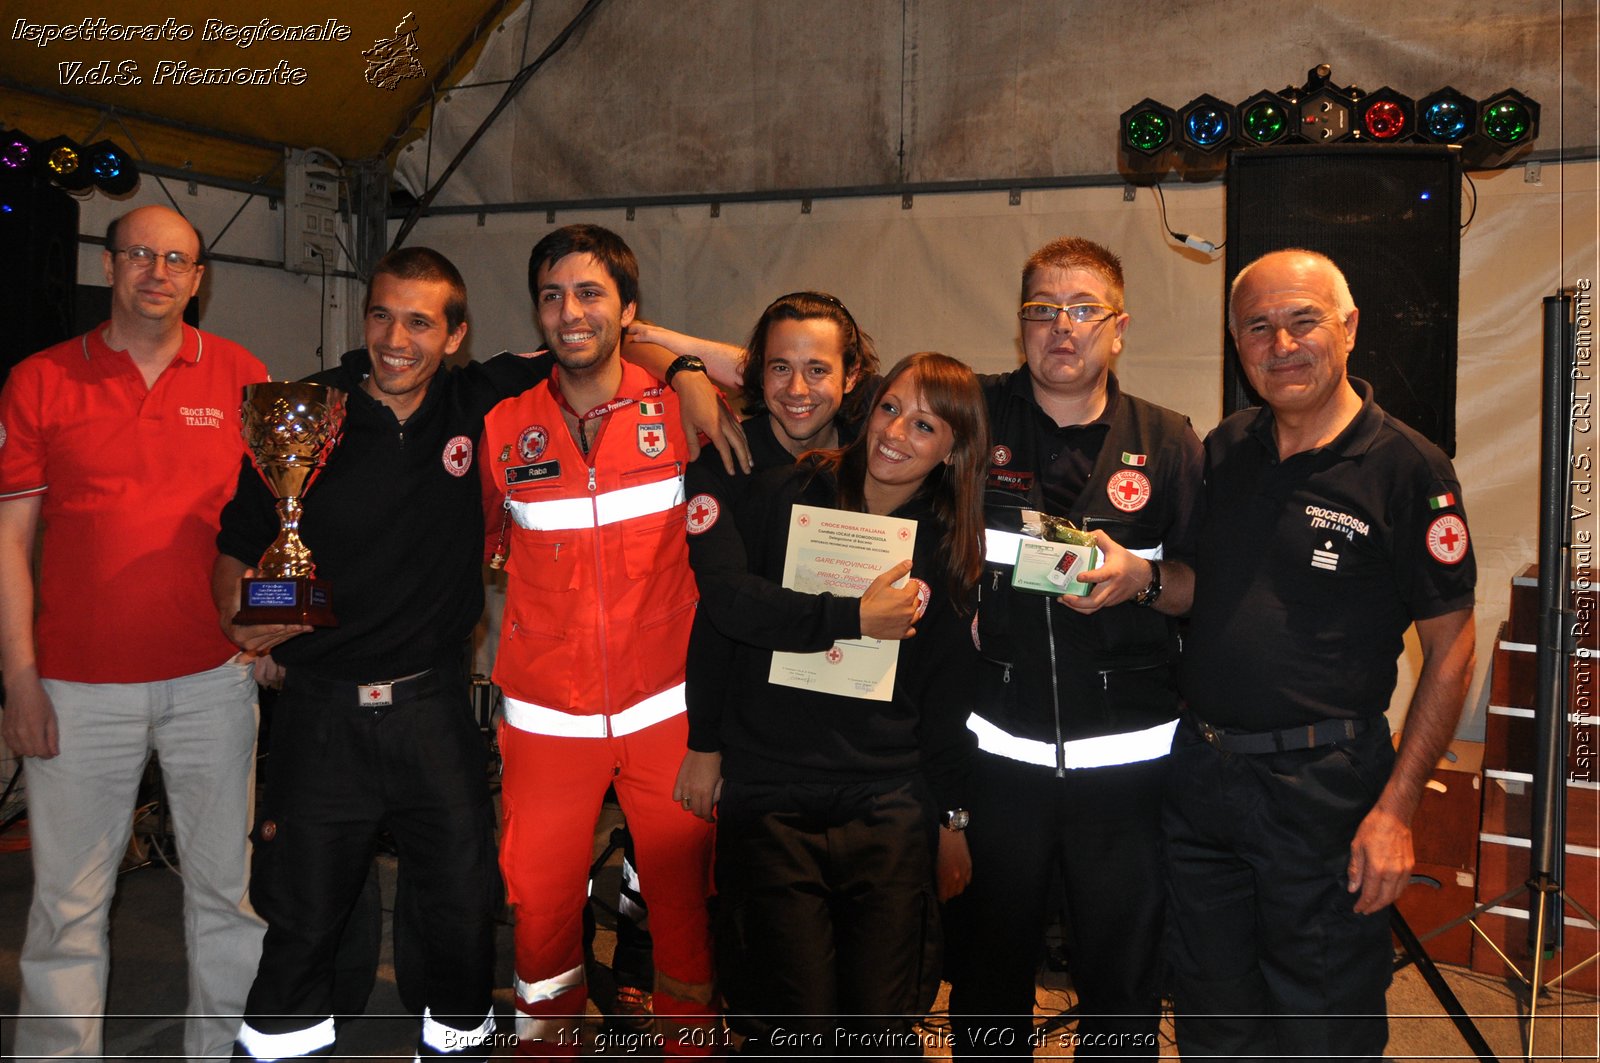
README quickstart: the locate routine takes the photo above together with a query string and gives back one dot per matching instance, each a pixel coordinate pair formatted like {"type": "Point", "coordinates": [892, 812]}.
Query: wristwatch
{"type": "Point", "coordinates": [955, 819]}
{"type": "Point", "coordinates": [683, 362]}
{"type": "Point", "coordinates": [1152, 591]}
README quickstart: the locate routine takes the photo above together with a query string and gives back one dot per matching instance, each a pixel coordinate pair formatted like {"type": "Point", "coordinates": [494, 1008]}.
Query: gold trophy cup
{"type": "Point", "coordinates": [290, 430]}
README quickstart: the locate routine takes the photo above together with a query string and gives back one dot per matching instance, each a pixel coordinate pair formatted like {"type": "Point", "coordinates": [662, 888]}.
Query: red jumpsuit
{"type": "Point", "coordinates": [591, 660]}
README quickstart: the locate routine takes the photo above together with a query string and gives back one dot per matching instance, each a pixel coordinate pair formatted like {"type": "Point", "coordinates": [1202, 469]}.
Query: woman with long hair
{"type": "Point", "coordinates": [829, 818]}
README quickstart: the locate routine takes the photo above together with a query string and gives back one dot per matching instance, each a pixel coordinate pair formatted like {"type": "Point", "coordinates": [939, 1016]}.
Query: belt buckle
{"type": "Point", "coordinates": [1209, 733]}
{"type": "Point", "coordinates": [376, 694]}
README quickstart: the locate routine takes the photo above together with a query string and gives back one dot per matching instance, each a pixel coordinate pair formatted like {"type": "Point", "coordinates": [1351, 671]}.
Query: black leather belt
{"type": "Point", "coordinates": [1288, 740]}
{"type": "Point", "coordinates": [376, 695]}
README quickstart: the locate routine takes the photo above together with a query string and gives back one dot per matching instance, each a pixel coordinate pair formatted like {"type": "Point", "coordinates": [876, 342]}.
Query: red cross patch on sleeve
{"type": "Point", "coordinates": [702, 514]}
{"type": "Point", "coordinates": [1447, 539]}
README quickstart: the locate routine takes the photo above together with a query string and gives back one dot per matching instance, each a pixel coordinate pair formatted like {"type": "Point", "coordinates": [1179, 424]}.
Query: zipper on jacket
{"type": "Point", "coordinates": [498, 561]}
{"type": "Point", "coordinates": [1055, 691]}
{"type": "Point", "coordinates": [601, 627]}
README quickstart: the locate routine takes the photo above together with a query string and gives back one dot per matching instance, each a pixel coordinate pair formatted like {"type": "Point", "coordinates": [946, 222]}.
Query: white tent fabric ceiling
{"type": "Point", "coordinates": [674, 97]}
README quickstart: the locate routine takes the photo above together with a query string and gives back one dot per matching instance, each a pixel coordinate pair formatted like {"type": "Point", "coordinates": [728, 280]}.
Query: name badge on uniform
{"type": "Point", "coordinates": [1007, 480]}
{"type": "Point", "coordinates": [527, 474]}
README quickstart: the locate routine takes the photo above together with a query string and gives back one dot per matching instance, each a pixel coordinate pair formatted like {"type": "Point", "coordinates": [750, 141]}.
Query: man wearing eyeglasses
{"type": "Point", "coordinates": [124, 444]}
{"type": "Point", "coordinates": [1077, 711]}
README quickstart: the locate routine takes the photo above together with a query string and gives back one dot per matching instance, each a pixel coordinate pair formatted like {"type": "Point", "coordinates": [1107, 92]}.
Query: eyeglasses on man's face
{"type": "Point", "coordinates": [1076, 313]}
{"type": "Point", "coordinates": [142, 257]}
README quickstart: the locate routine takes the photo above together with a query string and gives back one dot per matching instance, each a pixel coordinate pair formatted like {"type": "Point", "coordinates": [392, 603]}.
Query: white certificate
{"type": "Point", "coordinates": [841, 553]}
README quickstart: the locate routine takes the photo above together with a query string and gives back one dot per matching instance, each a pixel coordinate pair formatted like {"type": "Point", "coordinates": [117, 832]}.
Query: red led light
{"type": "Point", "coordinates": [1385, 120]}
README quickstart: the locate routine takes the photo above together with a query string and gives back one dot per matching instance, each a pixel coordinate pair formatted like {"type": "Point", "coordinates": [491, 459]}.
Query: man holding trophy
{"type": "Point", "coordinates": [373, 728]}
{"type": "Point", "coordinates": [124, 444]}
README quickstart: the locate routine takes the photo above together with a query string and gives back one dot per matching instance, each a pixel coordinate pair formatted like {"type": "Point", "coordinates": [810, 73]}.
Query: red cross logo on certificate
{"type": "Point", "coordinates": [652, 439]}
{"type": "Point", "coordinates": [1128, 490]}
{"type": "Point", "coordinates": [458, 456]}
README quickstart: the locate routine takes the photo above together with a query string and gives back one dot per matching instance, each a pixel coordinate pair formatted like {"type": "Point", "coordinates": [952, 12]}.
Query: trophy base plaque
{"type": "Point", "coordinates": [292, 600]}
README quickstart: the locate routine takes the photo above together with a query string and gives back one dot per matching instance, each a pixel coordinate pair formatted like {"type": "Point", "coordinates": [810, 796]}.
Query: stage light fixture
{"type": "Point", "coordinates": [61, 157]}
{"type": "Point", "coordinates": [1491, 131]}
{"type": "Point", "coordinates": [16, 150]}
{"type": "Point", "coordinates": [63, 163]}
{"type": "Point", "coordinates": [1386, 116]}
{"type": "Point", "coordinates": [1325, 116]}
{"type": "Point", "coordinates": [1509, 119]}
{"type": "Point", "coordinates": [1148, 127]}
{"type": "Point", "coordinates": [1206, 123]}
{"type": "Point", "coordinates": [112, 171]}
{"type": "Point", "coordinates": [1446, 117]}
{"type": "Point", "coordinates": [1265, 118]}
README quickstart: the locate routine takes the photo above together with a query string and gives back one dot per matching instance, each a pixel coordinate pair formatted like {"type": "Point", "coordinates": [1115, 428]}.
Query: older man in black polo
{"type": "Point", "coordinates": [1329, 529]}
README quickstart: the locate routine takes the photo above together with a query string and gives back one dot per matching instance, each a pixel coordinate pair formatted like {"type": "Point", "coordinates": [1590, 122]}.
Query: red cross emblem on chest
{"type": "Point", "coordinates": [1128, 490]}
{"type": "Point", "coordinates": [457, 456]}
{"type": "Point", "coordinates": [652, 439]}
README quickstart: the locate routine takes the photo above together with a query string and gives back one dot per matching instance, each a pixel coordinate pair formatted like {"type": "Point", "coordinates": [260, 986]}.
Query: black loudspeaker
{"type": "Point", "coordinates": [39, 232]}
{"type": "Point", "coordinates": [1390, 217]}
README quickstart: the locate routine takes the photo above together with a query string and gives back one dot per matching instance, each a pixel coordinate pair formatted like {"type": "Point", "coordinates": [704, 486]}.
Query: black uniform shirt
{"type": "Point", "coordinates": [1310, 569]}
{"type": "Point", "coordinates": [736, 602]}
{"type": "Point", "coordinates": [1060, 675]}
{"type": "Point", "coordinates": [778, 733]}
{"type": "Point", "coordinates": [394, 522]}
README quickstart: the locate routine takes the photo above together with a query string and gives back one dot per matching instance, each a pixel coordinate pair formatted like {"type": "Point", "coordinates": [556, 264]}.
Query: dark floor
{"type": "Point", "coordinates": [148, 985]}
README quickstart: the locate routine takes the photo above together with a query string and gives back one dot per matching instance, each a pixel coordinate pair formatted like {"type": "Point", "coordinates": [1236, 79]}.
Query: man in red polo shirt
{"type": "Point", "coordinates": [124, 443]}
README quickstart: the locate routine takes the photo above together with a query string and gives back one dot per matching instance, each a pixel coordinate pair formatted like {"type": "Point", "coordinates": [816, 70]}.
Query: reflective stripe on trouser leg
{"type": "Point", "coordinates": [265, 1047]}
{"type": "Point", "coordinates": [550, 1015]}
{"type": "Point", "coordinates": [439, 1039]}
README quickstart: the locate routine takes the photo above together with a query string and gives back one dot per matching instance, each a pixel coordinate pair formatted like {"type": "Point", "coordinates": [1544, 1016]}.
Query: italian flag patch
{"type": "Point", "coordinates": [1444, 501]}
{"type": "Point", "coordinates": [1132, 459]}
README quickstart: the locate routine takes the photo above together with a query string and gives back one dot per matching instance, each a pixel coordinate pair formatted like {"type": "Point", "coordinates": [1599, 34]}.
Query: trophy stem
{"type": "Point", "coordinates": [288, 556]}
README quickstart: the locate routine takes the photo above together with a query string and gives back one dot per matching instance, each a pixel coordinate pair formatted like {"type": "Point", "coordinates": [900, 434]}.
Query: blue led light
{"type": "Point", "coordinates": [1446, 120]}
{"type": "Point", "coordinates": [106, 166]}
{"type": "Point", "coordinates": [1426, 195]}
{"type": "Point", "coordinates": [1207, 126]}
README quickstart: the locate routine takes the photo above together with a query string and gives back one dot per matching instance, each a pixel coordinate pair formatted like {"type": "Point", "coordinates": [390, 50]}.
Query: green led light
{"type": "Point", "coordinates": [1264, 123]}
{"type": "Point", "coordinates": [1149, 130]}
{"type": "Point", "coordinates": [1507, 122]}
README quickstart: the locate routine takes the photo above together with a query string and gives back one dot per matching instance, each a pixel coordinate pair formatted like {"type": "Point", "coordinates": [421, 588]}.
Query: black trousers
{"type": "Point", "coordinates": [341, 772]}
{"type": "Point", "coordinates": [1101, 828]}
{"type": "Point", "coordinates": [827, 931]}
{"type": "Point", "coordinates": [1269, 959]}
